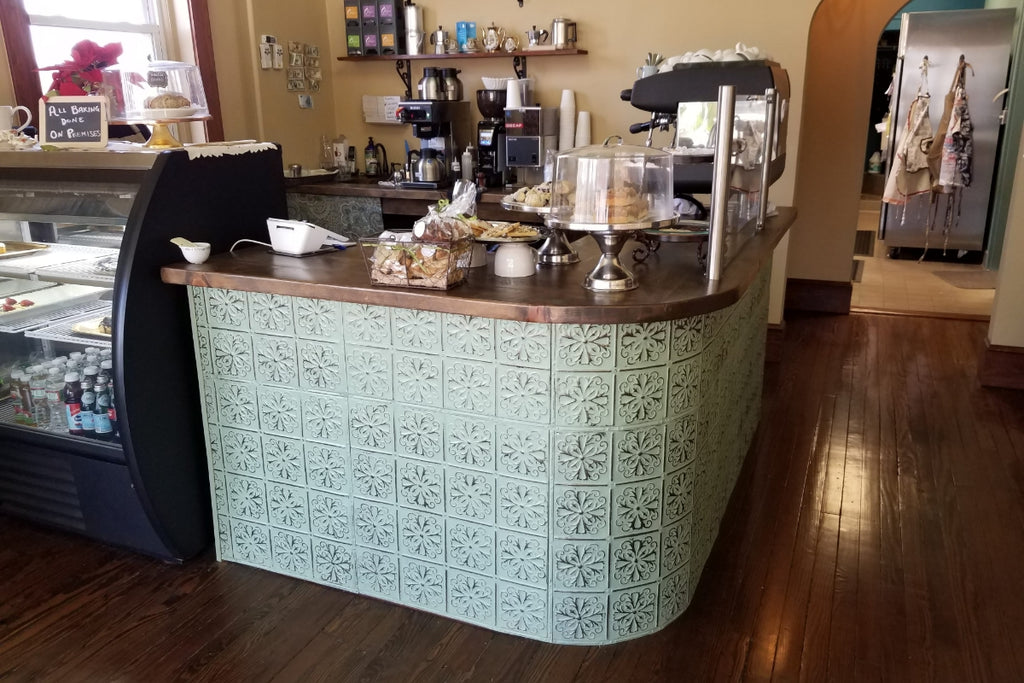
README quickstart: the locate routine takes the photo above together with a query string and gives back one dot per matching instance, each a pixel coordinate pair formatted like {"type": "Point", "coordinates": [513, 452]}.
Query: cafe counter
{"type": "Point", "coordinates": [362, 207]}
{"type": "Point", "coordinates": [521, 454]}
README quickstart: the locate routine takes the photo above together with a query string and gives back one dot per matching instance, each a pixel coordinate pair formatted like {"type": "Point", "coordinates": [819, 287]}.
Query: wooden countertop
{"type": "Point", "coordinates": [361, 186]}
{"type": "Point", "coordinates": [671, 283]}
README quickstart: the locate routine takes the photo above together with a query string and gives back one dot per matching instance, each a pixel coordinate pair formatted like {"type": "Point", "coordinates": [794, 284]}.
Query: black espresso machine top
{"type": "Point", "coordinates": [699, 82]}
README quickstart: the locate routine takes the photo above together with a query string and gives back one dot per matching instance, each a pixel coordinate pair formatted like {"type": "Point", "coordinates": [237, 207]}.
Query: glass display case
{"type": "Point", "coordinates": [84, 234]}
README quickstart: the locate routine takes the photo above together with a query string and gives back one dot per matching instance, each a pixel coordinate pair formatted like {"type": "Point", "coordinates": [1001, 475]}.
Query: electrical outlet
{"type": "Point", "coordinates": [266, 51]}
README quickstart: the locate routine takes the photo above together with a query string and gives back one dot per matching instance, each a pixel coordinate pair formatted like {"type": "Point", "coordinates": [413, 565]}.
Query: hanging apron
{"type": "Point", "coordinates": [909, 175]}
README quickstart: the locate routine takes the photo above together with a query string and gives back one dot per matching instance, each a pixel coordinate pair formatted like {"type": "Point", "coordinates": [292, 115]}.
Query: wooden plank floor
{"type": "Point", "coordinates": [876, 534]}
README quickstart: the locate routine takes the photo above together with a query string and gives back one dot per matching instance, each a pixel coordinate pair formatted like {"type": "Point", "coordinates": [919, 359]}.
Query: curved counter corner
{"type": "Point", "coordinates": [486, 453]}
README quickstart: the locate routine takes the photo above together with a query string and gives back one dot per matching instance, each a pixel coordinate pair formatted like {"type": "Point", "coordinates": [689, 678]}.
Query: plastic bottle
{"type": "Point", "coordinates": [101, 413]}
{"type": "Point", "coordinates": [89, 400]}
{"type": "Point", "coordinates": [75, 360]}
{"type": "Point", "coordinates": [467, 163]}
{"type": "Point", "coordinates": [107, 370]}
{"type": "Point", "coordinates": [370, 155]}
{"type": "Point", "coordinates": [73, 403]}
{"type": "Point", "coordinates": [456, 165]}
{"type": "Point", "coordinates": [26, 397]}
{"type": "Point", "coordinates": [340, 149]}
{"type": "Point", "coordinates": [55, 400]}
{"type": "Point", "coordinates": [16, 402]}
{"type": "Point", "coordinates": [37, 390]}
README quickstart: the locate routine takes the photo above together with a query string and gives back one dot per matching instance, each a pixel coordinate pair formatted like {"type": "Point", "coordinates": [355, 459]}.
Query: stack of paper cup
{"type": "Point", "coordinates": [567, 121]}
{"type": "Point", "coordinates": [583, 129]}
{"type": "Point", "coordinates": [513, 95]}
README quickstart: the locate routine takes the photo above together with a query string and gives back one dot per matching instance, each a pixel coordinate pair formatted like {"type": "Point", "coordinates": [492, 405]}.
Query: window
{"type": "Point", "coordinates": [41, 32]}
{"type": "Point", "coordinates": [56, 25]}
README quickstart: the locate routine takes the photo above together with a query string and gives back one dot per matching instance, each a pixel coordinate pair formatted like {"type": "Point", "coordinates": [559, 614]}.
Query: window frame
{"type": "Point", "coordinates": [15, 22]}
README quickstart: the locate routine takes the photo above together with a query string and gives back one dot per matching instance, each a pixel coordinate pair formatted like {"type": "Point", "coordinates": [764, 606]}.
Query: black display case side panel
{"type": "Point", "coordinates": [214, 199]}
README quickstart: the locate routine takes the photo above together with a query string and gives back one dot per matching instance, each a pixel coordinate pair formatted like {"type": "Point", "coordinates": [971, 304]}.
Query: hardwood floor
{"type": "Point", "coordinates": [876, 534]}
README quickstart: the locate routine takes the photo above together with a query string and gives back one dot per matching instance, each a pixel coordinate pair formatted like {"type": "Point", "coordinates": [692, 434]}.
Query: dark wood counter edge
{"type": "Point", "coordinates": [554, 295]}
{"type": "Point", "coordinates": [367, 188]}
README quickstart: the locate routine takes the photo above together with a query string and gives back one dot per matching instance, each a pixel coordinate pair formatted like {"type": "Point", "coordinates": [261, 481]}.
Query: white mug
{"type": "Point", "coordinates": [8, 118]}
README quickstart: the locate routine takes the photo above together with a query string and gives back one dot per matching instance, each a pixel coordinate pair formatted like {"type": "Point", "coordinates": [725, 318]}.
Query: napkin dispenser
{"type": "Point", "coordinates": [297, 238]}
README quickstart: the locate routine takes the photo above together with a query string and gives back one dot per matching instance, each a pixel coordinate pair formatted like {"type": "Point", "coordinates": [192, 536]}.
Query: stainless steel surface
{"type": "Point", "coordinates": [556, 250]}
{"type": "Point", "coordinates": [984, 37]}
{"type": "Point", "coordinates": [771, 102]}
{"type": "Point", "coordinates": [554, 222]}
{"type": "Point", "coordinates": [116, 156]}
{"type": "Point", "coordinates": [451, 84]}
{"type": "Point", "coordinates": [609, 275]}
{"type": "Point", "coordinates": [563, 33]}
{"type": "Point", "coordinates": [720, 182]}
{"type": "Point", "coordinates": [430, 86]}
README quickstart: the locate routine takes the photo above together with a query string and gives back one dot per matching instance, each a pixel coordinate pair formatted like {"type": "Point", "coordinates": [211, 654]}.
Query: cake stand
{"type": "Point", "coordinates": [556, 250]}
{"type": "Point", "coordinates": [609, 275]}
{"type": "Point", "coordinates": [160, 120]}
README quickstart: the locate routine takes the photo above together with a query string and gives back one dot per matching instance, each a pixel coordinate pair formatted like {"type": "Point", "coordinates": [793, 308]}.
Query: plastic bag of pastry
{"type": "Point", "coordinates": [446, 220]}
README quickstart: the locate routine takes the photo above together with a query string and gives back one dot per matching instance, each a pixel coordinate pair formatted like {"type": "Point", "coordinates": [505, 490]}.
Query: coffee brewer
{"type": "Point", "coordinates": [438, 124]}
{"type": "Point", "coordinates": [490, 137]}
{"type": "Point", "coordinates": [529, 133]}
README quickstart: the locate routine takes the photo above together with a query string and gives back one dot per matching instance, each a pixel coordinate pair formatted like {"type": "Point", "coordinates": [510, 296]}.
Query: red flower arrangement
{"type": "Point", "coordinates": [82, 74]}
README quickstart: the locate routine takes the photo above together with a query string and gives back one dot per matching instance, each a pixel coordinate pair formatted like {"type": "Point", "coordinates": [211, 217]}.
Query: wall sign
{"type": "Point", "coordinates": [73, 121]}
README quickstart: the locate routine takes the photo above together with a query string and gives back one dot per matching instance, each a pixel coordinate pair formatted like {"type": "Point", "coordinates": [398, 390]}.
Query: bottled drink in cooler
{"type": "Point", "coordinates": [73, 403]}
{"type": "Point", "coordinates": [100, 414]}
{"type": "Point", "coordinates": [55, 400]}
{"type": "Point", "coordinates": [37, 390]}
{"type": "Point", "coordinates": [16, 401]}
{"type": "Point", "coordinates": [89, 400]}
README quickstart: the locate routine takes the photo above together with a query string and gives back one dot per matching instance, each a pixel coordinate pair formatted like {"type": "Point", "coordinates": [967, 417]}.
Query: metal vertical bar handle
{"type": "Point", "coordinates": [720, 180]}
{"type": "Point", "coordinates": [771, 107]}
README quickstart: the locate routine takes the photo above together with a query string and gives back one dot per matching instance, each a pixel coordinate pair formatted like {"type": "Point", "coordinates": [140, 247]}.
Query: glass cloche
{"type": "Point", "coordinates": [612, 186]}
{"type": "Point", "coordinates": [157, 91]}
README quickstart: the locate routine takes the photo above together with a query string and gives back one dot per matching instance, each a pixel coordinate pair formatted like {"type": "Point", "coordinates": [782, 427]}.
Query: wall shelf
{"type": "Point", "coordinates": [403, 63]}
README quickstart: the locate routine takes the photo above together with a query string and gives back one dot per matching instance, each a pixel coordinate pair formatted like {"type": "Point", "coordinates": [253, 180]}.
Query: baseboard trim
{"type": "Point", "coordinates": [1002, 367]}
{"type": "Point", "coordinates": [773, 342]}
{"type": "Point", "coordinates": [818, 296]}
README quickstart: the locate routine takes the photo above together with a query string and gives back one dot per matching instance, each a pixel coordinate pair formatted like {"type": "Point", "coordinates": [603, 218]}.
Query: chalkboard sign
{"type": "Point", "coordinates": [73, 121]}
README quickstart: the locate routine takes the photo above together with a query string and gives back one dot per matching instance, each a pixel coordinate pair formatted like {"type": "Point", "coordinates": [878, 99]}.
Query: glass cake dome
{"type": "Point", "coordinates": [157, 91]}
{"type": "Point", "coordinates": [612, 186]}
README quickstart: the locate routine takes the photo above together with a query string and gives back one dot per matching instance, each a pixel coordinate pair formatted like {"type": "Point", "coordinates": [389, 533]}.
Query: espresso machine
{"type": "Point", "coordinates": [439, 125]}
{"type": "Point", "coordinates": [490, 137]}
{"type": "Point", "coordinates": [530, 132]}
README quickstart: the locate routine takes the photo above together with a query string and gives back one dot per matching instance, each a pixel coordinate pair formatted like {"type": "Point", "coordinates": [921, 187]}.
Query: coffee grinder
{"type": "Point", "coordinates": [438, 124]}
{"type": "Point", "coordinates": [490, 137]}
{"type": "Point", "coordinates": [530, 132]}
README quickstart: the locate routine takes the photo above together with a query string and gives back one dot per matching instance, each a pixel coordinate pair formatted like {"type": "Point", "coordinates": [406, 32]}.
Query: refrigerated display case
{"type": "Point", "coordinates": [86, 233]}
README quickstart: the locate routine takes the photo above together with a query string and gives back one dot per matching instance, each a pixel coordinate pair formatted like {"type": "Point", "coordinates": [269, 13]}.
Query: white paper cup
{"type": "Point", "coordinates": [583, 129]}
{"type": "Point", "coordinates": [514, 96]}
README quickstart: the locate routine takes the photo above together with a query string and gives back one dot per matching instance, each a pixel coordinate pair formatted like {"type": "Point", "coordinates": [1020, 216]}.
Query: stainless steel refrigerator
{"type": "Point", "coordinates": [984, 38]}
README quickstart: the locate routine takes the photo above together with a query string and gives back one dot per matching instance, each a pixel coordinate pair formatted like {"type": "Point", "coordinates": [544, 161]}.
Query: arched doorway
{"type": "Point", "coordinates": [841, 52]}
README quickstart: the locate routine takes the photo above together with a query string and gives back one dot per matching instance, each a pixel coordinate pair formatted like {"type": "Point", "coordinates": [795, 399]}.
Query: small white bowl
{"type": "Point", "coordinates": [516, 259]}
{"type": "Point", "coordinates": [198, 253]}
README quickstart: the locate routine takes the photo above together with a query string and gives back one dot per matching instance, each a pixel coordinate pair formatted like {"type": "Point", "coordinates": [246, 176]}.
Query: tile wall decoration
{"type": "Point", "coordinates": [560, 482]}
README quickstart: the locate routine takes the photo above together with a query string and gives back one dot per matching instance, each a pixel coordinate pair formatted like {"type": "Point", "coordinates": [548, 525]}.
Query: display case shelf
{"type": "Point", "coordinates": [55, 255]}
{"type": "Point", "coordinates": [93, 271]}
{"type": "Point", "coordinates": [27, 326]}
{"type": "Point", "coordinates": [63, 331]}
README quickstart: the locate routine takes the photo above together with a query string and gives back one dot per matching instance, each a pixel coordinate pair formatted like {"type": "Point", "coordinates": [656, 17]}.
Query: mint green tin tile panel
{"type": "Point", "coordinates": [558, 482]}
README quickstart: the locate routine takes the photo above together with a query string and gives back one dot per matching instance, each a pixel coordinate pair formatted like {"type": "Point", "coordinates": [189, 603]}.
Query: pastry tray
{"type": "Point", "coordinates": [57, 305]}
{"type": "Point", "coordinates": [19, 249]}
{"type": "Point", "coordinates": [517, 206]}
